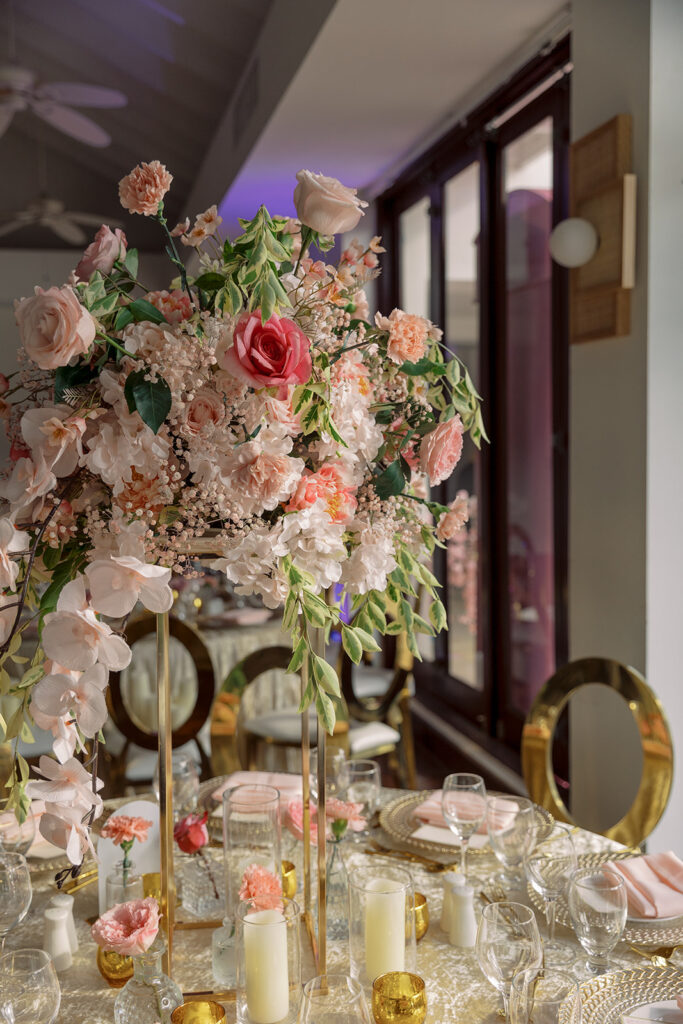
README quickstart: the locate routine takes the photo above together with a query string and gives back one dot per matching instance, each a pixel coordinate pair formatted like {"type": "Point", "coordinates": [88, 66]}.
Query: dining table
{"type": "Point", "coordinates": [457, 991]}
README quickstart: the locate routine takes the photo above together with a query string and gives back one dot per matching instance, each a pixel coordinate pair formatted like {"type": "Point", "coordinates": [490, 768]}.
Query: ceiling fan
{"type": "Point", "coordinates": [53, 102]}
{"type": "Point", "coordinates": [48, 212]}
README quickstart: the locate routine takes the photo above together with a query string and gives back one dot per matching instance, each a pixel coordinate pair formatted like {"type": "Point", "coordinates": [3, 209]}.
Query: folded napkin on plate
{"type": "Point", "coordinates": [444, 836]}
{"type": "Point", "coordinates": [654, 884]}
{"type": "Point", "coordinates": [289, 785]}
{"type": "Point", "coordinates": [430, 811]}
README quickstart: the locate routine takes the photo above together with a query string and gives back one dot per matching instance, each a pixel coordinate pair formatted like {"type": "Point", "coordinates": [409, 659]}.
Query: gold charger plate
{"type": "Point", "coordinates": [605, 999]}
{"type": "Point", "coordinates": [642, 931]}
{"type": "Point", "coordinates": [398, 822]}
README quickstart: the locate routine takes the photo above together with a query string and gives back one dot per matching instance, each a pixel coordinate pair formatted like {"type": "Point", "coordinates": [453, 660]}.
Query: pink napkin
{"type": "Point", "coordinates": [654, 884]}
{"type": "Point", "coordinates": [430, 810]}
{"type": "Point", "coordinates": [289, 785]}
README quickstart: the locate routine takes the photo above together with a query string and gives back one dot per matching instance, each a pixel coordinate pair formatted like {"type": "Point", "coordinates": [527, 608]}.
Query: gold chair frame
{"type": "Point", "coordinates": [539, 730]}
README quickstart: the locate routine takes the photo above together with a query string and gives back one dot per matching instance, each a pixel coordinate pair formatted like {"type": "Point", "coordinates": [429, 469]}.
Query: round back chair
{"type": "Point", "coordinates": [657, 750]}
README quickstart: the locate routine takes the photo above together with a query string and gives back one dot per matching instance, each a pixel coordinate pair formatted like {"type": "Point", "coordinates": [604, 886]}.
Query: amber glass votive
{"type": "Point", "coordinates": [198, 1013]}
{"type": "Point", "coordinates": [399, 996]}
{"type": "Point", "coordinates": [421, 916]}
{"type": "Point", "coordinates": [288, 879]}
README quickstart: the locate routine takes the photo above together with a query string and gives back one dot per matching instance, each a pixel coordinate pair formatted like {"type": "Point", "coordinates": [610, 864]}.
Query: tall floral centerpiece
{"type": "Point", "coordinates": [254, 398]}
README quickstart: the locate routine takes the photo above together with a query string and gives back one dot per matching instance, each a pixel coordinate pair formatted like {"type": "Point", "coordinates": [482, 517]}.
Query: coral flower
{"type": "Point", "coordinates": [122, 828]}
{"type": "Point", "coordinates": [262, 886]}
{"type": "Point", "coordinates": [143, 189]}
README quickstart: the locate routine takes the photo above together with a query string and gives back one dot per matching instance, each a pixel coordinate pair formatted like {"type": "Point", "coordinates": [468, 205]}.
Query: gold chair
{"type": "Point", "coordinates": [138, 766]}
{"type": "Point", "coordinates": [657, 773]}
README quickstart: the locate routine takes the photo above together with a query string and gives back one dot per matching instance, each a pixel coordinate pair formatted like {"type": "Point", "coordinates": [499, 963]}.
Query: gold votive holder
{"type": "Point", "coordinates": [114, 968]}
{"type": "Point", "coordinates": [399, 996]}
{"type": "Point", "coordinates": [289, 884]}
{"type": "Point", "coordinates": [151, 885]}
{"type": "Point", "coordinates": [198, 1013]}
{"type": "Point", "coordinates": [421, 916]}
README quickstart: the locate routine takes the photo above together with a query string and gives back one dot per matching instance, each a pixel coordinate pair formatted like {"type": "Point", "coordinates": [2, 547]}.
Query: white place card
{"type": "Point", "coordinates": [146, 856]}
{"type": "Point", "coordinates": [436, 834]}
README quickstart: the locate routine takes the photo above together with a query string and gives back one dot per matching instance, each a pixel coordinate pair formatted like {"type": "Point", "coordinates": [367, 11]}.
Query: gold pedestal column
{"type": "Point", "coordinates": [165, 735]}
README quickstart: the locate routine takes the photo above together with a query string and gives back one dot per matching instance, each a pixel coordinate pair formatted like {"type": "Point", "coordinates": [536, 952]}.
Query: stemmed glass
{"type": "Point", "coordinates": [463, 802]}
{"type": "Point", "coordinates": [549, 865]}
{"type": "Point", "coordinates": [507, 942]}
{"type": "Point", "coordinates": [364, 787]}
{"type": "Point", "coordinates": [15, 837]}
{"type": "Point", "coordinates": [544, 997]}
{"type": "Point", "coordinates": [15, 892]}
{"type": "Point", "coordinates": [29, 988]}
{"type": "Point", "coordinates": [333, 999]}
{"type": "Point", "coordinates": [510, 824]}
{"type": "Point", "coordinates": [597, 907]}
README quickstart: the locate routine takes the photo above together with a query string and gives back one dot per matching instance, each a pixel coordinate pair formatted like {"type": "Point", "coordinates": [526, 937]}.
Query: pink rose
{"type": "Point", "coordinates": [54, 327]}
{"type": "Point", "coordinates": [191, 832]}
{"type": "Point", "coordinates": [205, 408]}
{"type": "Point", "coordinates": [441, 449]}
{"type": "Point", "coordinates": [142, 190]}
{"type": "Point", "coordinates": [326, 205]}
{"type": "Point", "coordinates": [273, 354]}
{"type": "Point", "coordinates": [107, 247]}
{"type": "Point", "coordinates": [454, 519]}
{"type": "Point", "coordinates": [128, 929]}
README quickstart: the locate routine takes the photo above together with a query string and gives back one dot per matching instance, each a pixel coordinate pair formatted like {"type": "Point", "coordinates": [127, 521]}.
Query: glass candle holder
{"type": "Point", "coordinates": [268, 960]}
{"type": "Point", "coordinates": [333, 999]}
{"type": "Point", "coordinates": [251, 835]}
{"type": "Point", "coordinates": [381, 923]}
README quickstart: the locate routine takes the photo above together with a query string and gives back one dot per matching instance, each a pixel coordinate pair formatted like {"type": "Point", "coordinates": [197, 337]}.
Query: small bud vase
{"type": "Point", "coordinates": [150, 996]}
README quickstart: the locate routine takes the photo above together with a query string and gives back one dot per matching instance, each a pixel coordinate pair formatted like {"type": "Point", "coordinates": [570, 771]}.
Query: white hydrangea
{"type": "Point", "coordinates": [357, 426]}
{"type": "Point", "coordinates": [314, 542]}
{"type": "Point", "coordinates": [252, 563]}
{"type": "Point", "coordinates": [370, 562]}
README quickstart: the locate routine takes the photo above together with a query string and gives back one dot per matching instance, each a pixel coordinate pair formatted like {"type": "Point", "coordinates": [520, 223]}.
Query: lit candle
{"type": "Point", "coordinates": [265, 959]}
{"type": "Point", "coordinates": [385, 927]}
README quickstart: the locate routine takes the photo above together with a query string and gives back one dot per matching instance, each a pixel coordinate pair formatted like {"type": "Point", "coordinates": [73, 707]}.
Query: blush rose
{"type": "Point", "coordinates": [274, 354]}
{"type": "Point", "coordinates": [441, 449]}
{"type": "Point", "coordinates": [325, 205]}
{"type": "Point", "coordinates": [106, 248]}
{"type": "Point", "coordinates": [54, 327]}
{"type": "Point", "coordinates": [128, 929]}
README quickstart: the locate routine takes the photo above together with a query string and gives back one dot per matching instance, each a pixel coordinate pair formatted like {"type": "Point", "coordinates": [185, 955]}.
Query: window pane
{"type": "Point", "coordinates": [461, 213]}
{"type": "Point", "coordinates": [415, 260]}
{"type": "Point", "coordinates": [528, 176]}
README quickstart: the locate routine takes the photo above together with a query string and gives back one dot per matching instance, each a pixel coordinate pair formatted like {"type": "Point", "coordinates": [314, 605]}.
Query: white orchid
{"type": "Point", "coordinates": [11, 542]}
{"type": "Point", "coordinates": [68, 784]}
{"type": "Point", "coordinates": [64, 827]}
{"type": "Point", "coordinates": [119, 582]}
{"type": "Point", "coordinates": [54, 433]}
{"type": "Point", "coordinates": [75, 637]}
{"type": "Point", "coordinates": [55, 695]}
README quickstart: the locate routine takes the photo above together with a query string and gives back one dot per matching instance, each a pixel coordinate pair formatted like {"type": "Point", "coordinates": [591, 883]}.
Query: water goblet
{"type": "Point", "coordinates": [399, 996]}
{"type": "Point", "coordinates": [597, 907]}
{"type": "Point", "coordinates": [544, 997]}
{"type": "Point", "coordinates": [15, 892]}
{"type": "Point", "coordinates": [463, 802]}
{"type": "Point", "coordinates": [16, 837]}
{"type": "Point", "coordinates": [185, 784]}
{"type": "Point", "coordinates": [510, 825]}
{"type": "Point", "coordinates": [333, 999]}
{"type": "Point", "coordinates": [29, 988]}
{"type": "Point", "coordinates": [363, 787]}
{"type": "Point", "coordinates": [336, 775]}
{"type": "Point", "coordinates": [549, 865]}
{"type": "Point", "coordinates": [508, 941]}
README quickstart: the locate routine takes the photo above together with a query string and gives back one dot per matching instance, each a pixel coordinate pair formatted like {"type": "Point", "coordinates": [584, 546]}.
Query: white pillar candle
{"type": "Point", "coordinates": [265, 960]}
{"type": "Point", "coordinates": [385, 927]}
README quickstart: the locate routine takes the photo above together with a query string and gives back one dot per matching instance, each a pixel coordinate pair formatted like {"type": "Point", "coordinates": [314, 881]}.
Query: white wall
{"type": "Point", "coordinates": [625, 552]}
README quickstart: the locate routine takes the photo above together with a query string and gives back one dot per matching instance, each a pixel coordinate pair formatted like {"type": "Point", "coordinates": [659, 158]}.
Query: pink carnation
{"type": "Point", "coordinates": [174, 305]}
{"type": "Point", "coordinates": [342, 810]}
{"type": "Point", "coordinates": [454, 519]}
{"type": "Point", "coordinates": [262, 886]}
{"type": "Point", "coordinates": [124, 829]}
{"type": "Point", "coordinates": [295, 820]}
{"type": "Point", "coordinates": [143, 189]}
{"type": "Point", "coordinates": [408, 333]}
{"type": "Point", "coordinates": [441, 449]}
{"type": "Point", "coordinates": [128, 929]}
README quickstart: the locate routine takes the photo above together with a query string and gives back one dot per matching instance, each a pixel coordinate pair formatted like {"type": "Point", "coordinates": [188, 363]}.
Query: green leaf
{"type": "Point", "coordinates": [210, 281]}
{"type": "Point", "coordinates": [298, 656]}
{"type": "Point", "coordinates": [394, 628]}
{"type": "Point", "coordinates": [51, 557]}
{"type": "Point", "coordinates": [131, 262]}
{"type": "Point", "coordinates": [437, 615]}
{"type": "Point", "coordinates": [71, 377]}
{"type": "Point", "coordinates": [152, 399]}
{"type": "Point", "coordinates": [421, 367]}
{"type": "Point", "coordinates": [308, 694]}
{"type": "Point", "coordinates": [325, 710]}
{"type": "Point", "coordinates": [367, 640]}
{"type": "Point", "coordinates": [123, 318]}
{"type": "Point", "coordinates": [352, 645]}
{"type": "Point", "coordinates": [141, 309]}
{"type": "Point", "coordinates": [325, 676]}
{"type": "Point", "coordinates": [391, 481]}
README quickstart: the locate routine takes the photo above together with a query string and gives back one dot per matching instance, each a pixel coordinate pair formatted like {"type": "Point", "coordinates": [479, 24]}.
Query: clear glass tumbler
{"type": "Point", "coordinates": [597, 907]}
{"type": "Point", "coordinates": [381, 922]}
{"type": "Point", "coordinates": [268, 960]}
{"type": "Point", "coordinates": [251, 836]}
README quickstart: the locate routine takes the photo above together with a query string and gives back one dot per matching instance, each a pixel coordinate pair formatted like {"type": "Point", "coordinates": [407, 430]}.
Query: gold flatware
{"type": "Point", "coordinates": [430, 867]}
{"type": "Point", "coordinates": [417, 858]}
{"type": "Point", "coordinates": [77, 884]}
{"type": "Point", "coordinates": [658, 956]}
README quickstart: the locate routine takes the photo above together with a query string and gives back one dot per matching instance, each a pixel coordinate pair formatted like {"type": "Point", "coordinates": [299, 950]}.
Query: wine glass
{"type": "Point", "coordinates": [510, 825]}
{"type": "Point", "coordinates": [16, 837]}
{"type": "Point", "coordinates": [508, 941]}
{"type": "Point", "coordinates": [597, 907]}
{"type": "Point", "coordinates": [363, 787]}
{"type": "Point", "coordinates": [549, 865]}
{"type": "Point", "coordinates": [15, 892]}
{"type": "Point", "coordinates": [544, 997]}
{"type": "Point", "coordinates": [29, 988]}
{"type": "Point", "coordinates": [333, 999]}
{"type": "Point", "coordinates": [463, 802]}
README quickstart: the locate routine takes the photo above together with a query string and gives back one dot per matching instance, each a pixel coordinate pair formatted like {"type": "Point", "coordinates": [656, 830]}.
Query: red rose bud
{"type": "Point", "coordinates": [191, 832]}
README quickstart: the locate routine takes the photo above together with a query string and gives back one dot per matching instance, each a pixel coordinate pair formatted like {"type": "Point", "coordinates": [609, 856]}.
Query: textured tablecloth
{"type": "Point", "coordinates": [458, 993]}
